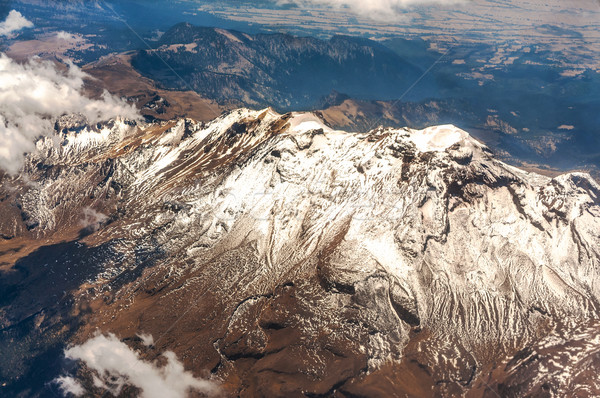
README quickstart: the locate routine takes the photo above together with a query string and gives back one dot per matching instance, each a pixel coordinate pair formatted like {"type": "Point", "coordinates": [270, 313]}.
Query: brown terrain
{"type": "Point", "coordinates": [115, 74]}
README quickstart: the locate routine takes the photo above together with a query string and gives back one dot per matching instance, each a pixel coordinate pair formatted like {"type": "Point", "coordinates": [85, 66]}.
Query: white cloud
{"type": "Point", "coordinates": [69, 386]}
{"type": "Point", "coordinates": [33, 95]}
{"type": "Point", "coordinates": [387, 10]}
{"type": "Point", "coordinates": [116, 365]}
{"type": "Point", "coordinates": [62, 35]}
{"type": "Point", "coordinates": [92, 219]}
{"type": "Point", "coordinates": [147, 339]}
{"type": "Point", "coordinates": [14, 22]}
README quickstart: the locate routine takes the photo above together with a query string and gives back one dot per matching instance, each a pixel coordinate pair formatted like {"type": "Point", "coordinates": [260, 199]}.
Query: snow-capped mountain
{"type": "Point", "coordinates": [287, 258]}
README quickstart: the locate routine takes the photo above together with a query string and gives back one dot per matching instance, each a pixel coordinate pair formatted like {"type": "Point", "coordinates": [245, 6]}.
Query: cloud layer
{"type": "Point", "coordinates": [69, 385]}
{"type": "Point", "coordinates": [116, 365]}
{"type": "Point", "coordinates": [33, 95]}
{"type": "Point", "coordinates": [14, 22]}
{"type": "Point", "coordinates": [388, 10]}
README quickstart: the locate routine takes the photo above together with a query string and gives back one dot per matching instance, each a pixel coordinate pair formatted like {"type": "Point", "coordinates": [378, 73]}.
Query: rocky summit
{"type": "Point", "coordinates": [277, 256]}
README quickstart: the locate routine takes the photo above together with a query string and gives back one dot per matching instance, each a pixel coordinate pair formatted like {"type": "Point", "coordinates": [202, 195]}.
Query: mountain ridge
{"type": "Point", "coordinates": [304, 260]}
{"type": "Point", "coordinates": [266, 69]}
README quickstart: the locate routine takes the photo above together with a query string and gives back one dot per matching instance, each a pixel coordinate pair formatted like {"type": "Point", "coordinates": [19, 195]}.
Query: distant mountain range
{"type": "Point", "coordinates": [278, 70]}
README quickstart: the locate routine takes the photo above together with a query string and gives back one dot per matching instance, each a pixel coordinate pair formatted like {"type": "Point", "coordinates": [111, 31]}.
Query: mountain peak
{"type": "Point", "coordinates": [404, 237]}
{"type": "Point", "coordinates": [439, 138]}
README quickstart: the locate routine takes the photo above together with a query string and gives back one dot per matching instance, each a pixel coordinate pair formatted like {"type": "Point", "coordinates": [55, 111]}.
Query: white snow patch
{"type": "Point", "coordinates": [383, 249]}
{"type": "Point", "coordinates": [437, 138]}
{"type": "Point", "coordinates": [302, 122]}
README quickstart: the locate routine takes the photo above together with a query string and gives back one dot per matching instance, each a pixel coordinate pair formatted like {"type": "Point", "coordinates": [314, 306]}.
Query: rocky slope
{"type": "Point", "coordinates": [287, 258]}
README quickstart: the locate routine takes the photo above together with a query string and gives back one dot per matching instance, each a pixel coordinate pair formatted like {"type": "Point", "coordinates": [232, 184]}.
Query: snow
{"type": "Point", "coordinates": [383, 249]}
{"type": "Point", "coordinates": [302, 122]}
{"type": "Point", "coordinates": [295, 189]}
{"type": "Point", "coordinates": [437, 138]}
